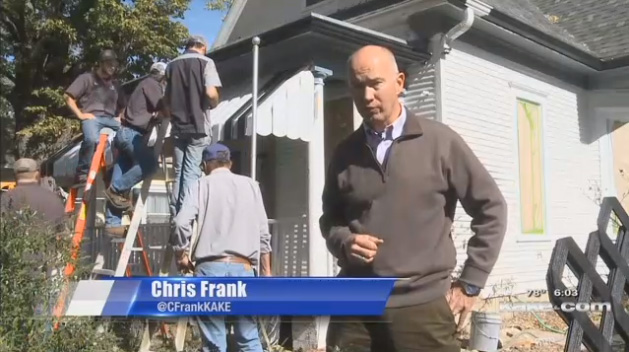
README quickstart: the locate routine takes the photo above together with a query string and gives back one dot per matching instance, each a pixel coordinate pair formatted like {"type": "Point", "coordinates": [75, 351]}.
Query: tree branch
{"type": "Point", "coordinates": [9, 25]}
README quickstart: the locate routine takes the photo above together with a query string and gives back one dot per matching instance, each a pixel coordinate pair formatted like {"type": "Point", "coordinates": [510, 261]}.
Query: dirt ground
{"type": "Point", "coordinates": [524, 332]}
{"type": "Point", "coordinates": [532, 332]}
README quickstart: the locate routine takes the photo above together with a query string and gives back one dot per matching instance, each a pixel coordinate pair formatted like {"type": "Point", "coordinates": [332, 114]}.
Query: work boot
{"type": "Point", "coordinates": [117, 200]}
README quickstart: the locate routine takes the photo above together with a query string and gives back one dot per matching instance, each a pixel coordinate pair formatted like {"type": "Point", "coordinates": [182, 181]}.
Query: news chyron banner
{"type": "Point", "coordinates": [193, 296]}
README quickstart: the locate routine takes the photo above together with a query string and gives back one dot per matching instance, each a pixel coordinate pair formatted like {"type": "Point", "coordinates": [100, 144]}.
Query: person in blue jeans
{"type": "Point", "coordinates": [191, 91]}
{"type": "Point", "coordinates": [95, 98]}
{"type": "Point", "coordinates": [233, 238]}
{"type": "Point", "coordinates": [186, 166]}
{"type": "Point", "coordinates": [136, 160]}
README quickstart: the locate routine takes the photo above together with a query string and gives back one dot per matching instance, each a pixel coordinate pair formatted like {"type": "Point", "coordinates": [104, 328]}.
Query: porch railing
{"type": "Point", "coordinates": [289, 242]}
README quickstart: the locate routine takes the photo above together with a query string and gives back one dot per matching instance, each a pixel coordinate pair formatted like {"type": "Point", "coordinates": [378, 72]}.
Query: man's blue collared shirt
{"type": "Point", "coordinates": [380, 142]}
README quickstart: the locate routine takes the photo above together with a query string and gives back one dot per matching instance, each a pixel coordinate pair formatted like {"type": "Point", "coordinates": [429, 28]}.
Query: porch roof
{"type": "Point", "coordinates": [313, 39]}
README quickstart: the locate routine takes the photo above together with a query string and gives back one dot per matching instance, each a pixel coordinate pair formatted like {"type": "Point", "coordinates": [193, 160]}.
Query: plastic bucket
{"type": "Point", "coordinates": [485, 331]}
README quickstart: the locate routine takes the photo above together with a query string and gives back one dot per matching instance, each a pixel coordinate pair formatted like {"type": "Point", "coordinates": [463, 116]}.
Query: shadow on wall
{"type": "Point", "coordinates": [588, 131]}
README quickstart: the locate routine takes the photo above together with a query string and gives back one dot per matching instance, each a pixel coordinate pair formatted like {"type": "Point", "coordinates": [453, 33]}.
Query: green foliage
{"type": "Point", "coordinates": [29, 253]}
{"type": "Point", "coordinates": [218, 5]}
{"type": "Point", "coordinates": [47, 136]}
{"type": "Point", "coordinates": [47, 43]}
{"type": "Point", "coordinates": [7, 130]}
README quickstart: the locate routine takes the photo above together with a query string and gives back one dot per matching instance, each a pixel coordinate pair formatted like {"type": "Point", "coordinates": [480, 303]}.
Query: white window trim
{"type": "Point", "coordinates": [606, 148]}
{"type": "Point", "coordinates": [538, 96]}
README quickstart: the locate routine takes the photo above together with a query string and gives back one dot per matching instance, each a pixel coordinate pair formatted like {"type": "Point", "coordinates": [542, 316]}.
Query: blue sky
{"type": "Point", "coordinates": [202, 21]}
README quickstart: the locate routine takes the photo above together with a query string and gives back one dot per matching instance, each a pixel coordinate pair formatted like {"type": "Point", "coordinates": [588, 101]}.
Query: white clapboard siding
{"type": "Point", "coordinates": [420, 94]}
{"type": "Point", "coordinates": [478, 102]}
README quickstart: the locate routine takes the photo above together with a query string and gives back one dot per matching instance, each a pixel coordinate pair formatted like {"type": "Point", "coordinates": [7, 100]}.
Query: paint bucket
{"type": "Point", "coordinates": [485, 331]}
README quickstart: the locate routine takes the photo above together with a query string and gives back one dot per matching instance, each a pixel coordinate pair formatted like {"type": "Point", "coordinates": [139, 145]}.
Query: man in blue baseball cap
{"type": "Point", "coordinates": [233, 238]}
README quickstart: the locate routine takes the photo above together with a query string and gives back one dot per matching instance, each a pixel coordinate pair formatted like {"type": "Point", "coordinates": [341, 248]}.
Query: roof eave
{"type": "Point", "coordinates": [616, 62]}
{"type": "Point", "coordinates": [529, 32]}
{"type": "Point", "coordinates": [323, 25]}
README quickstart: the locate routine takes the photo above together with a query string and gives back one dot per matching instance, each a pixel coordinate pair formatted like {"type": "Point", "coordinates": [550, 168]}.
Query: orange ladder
{"type": "Point", "coordinates": [98, 164]}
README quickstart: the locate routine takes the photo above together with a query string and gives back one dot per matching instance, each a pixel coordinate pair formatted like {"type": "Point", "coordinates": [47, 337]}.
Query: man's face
{"type": "Point", "coordinates": [375, 87]}
{"type": "Point", "coordinates": [109, 68]}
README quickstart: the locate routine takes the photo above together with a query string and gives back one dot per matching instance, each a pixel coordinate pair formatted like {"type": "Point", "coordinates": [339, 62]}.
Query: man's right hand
{"type": "Point", "coordinates": [86, 116]}
{"type": "Point", "coordinates": [362, 248]}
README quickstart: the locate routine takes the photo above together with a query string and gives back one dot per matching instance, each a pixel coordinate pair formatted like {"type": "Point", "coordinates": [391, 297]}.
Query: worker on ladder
{"type": "Point", "coordinates": [233, 239]}
{"type": "Point", "coordinates": [95, 98]}
{"type": "Point", "coordinates": [191, 91]}
{"type": "Point", "coordinates": [136, 159]}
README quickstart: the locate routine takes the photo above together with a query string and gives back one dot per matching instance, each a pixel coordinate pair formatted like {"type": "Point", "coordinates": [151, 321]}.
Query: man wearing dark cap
{"type": "Point", "coordinates": [136, 159]}
{"type": "Point", "coordinates": [95, 99]}
{"type": "Point", "coordinates": [191, 90]}
{"type": "Point", "coordinates": [233, 238]}
{"type": "Point", "coordinates": [30, 194]}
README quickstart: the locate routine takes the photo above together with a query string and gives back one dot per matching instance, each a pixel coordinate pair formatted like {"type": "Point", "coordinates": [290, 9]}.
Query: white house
{"type": "Point", "coordinates": [539, 89]}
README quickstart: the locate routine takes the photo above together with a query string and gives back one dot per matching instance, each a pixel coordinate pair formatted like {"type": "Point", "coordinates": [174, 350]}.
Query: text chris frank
{"type": "Point", "coordinates": [183, 289]}
{"type": "Point", "coordinates": [567, 307]}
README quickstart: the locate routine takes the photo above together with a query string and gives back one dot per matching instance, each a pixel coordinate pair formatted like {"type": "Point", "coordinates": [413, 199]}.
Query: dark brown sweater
{"type": "Point", "coordinates": [46, 204]}
{"type": "Point", "coordinates": [411, 206]}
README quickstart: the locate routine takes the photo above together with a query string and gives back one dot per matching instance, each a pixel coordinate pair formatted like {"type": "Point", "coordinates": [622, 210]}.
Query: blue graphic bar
{"type": "Point", "coordinates": [193, 296]}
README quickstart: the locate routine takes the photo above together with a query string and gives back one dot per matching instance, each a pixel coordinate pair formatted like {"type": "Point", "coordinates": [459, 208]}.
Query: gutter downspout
{"type": "Point", "coordinates": [441, 44]}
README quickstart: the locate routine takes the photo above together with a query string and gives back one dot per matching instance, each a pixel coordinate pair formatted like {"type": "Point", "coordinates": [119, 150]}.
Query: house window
{"type": "Point", "coordinates": [532, 207]}
{"type": "Point", "coordinates": [313, 2]}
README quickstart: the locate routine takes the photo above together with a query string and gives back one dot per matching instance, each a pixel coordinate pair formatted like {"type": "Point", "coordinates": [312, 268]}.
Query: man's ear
{"type": "Point", "coordinates": [400, 81]}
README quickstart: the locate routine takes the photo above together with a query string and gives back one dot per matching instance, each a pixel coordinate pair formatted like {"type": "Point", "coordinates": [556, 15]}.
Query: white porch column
{"type": "Point", "coordinates": [358, 120]}
{"type": "Point", "coordinates": [320, 261]}
{"type": "Point", "coordinates": [309, 332]}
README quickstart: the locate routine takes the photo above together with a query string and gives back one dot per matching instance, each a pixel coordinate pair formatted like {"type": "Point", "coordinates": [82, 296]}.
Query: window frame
{"type": "Point", "coordinates": [540, 97]}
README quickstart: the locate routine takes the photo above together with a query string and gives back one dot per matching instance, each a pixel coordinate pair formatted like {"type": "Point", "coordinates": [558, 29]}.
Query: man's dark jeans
{"type": "Point", "coordinates": [91, 135]}
{"type": "Point", "coordinates": [427, 327]}
{"type": "Point", "coordinates": [135, 162]}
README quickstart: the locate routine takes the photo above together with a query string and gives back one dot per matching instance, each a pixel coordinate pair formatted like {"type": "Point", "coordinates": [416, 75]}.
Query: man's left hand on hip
{"type": "Point", "coordinates": [461, 304]}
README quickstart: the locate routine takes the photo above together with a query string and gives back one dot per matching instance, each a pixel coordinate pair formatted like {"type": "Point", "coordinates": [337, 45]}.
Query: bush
{"type": "Point", "coordinates": [28, 291]}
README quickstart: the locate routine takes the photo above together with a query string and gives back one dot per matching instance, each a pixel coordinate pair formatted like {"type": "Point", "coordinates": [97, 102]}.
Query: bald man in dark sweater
{"type": "Point", "coordinates": [388, 207]}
